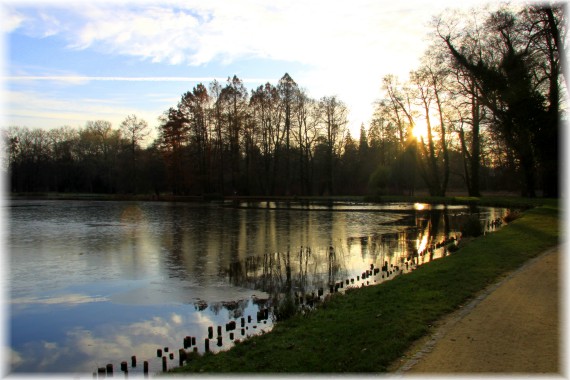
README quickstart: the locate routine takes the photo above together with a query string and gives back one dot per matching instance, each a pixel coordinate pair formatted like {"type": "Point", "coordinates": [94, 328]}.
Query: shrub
{"type": "Point", "coordinates": [511, 215]}
{"type": "Point", "coordinates": [286, 308]}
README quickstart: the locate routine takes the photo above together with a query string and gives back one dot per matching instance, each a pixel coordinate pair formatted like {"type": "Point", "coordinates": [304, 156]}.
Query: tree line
{"type": "Point", "coordinates": [218, 139]}
{"type": "Point", "coordinates": [482, 112]}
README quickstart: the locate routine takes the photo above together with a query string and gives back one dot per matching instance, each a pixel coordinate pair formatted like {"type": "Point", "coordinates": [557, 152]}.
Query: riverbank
{"type": "Point", "coordinates": [491, 200]}
{"type": "Point", "coordinates": [368, 329]}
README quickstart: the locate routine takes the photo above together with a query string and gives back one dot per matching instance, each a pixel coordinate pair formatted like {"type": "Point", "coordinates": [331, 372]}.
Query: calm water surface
{"type": "Point", "coordinates": [93, 283]}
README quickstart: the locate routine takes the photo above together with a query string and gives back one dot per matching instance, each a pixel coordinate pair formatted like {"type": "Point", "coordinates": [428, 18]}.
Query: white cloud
{"type": "Point", "coordinates": [347, 47]}
{"type": "Point", "coordinates": [157, 34]}
{"type": "Point", "coordinates": [83, 79]}
{"type": "Point", "coordinates": [11, 20]}
{"type": "Point", "coordinates": [22, 106]}
{"type": "Point", "coordinates": [318, 33]}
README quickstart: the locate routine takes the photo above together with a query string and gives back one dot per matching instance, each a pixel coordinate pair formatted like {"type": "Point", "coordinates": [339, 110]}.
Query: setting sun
{"type": "Point", "coordinates": [420, 129]}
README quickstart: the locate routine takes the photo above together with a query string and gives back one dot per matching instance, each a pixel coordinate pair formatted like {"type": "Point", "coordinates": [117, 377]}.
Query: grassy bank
{"type": "Point", "coordinates": [367, 329]}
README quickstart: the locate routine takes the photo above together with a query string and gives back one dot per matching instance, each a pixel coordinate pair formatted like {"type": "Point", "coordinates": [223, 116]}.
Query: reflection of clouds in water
{"type": "Point", "coordinates": [84, 341]}
{"type": "Point", "coordinates": [118, 342]}
{"type": "Point", "coordinates": [53, 352]}
{"type": "Point", "coordinates": [176, 319]}
{"type": "Point", "coordinates": [83, 350]}
{"type": "Point", "coordinates": [71, 299]}
{"type": "Point", "coordinates": [14, 356]}
{"type": "Point", "coordinates": [44, 356]}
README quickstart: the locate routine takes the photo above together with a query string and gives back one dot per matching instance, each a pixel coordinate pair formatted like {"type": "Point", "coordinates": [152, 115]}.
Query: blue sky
{"type": "Point", "coordinates": [69, 62]}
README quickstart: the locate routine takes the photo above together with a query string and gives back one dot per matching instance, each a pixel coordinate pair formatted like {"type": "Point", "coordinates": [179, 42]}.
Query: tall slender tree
{"type": "Point", "coordinates": [135, 130]}
{"type": "Point", "coordinates": [194, 106]}
{"type": "Point", "coordinates": [288, 91]}
{"type": "Point", "coordinates": [234, 98]}
{"type": "Point", "coordinates": [174, 136]}
{"type": "Point", "coordinates": [334, 115]}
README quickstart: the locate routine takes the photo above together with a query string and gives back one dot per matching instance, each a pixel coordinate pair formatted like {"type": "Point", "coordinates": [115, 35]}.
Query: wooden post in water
{"type": "Point", "coordinates": [164, 365]}
{"type": "Point", "coordinates": [109, 370]}
{"type": "Point", "coordinates": [193, 341]}
{"type": "Point", "coordinates": [158, 353]}
{"type": "Point", "coordinates": [182, 357]}
{"type": "Point", "coordinates": [171, 356]}
{"type": "Point", "coordinates": [101, 371]}
{"type": "Point", "coordinates": [133, 361]}
{"type": "Point", "coordinates": [124, 368]}
{"type": "Point", "coordinates": [207, 345]}
{"type": "Point", "coordinates": [219, 330]}
{"type": "Point", "coordinates": [210, 332]}
{"type": "Point", "coordinates": [145, 368]}
{"type": "Point", "coordinates": [219, 341]}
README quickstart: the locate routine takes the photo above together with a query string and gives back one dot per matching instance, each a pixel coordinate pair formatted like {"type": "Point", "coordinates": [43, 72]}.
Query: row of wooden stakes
{"type": "Point", "coordinates": [190, 342]}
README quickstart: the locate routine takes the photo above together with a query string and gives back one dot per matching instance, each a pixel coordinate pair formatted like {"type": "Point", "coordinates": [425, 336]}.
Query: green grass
{"type": "Point", "coordinates": [367, 329]}
{"type": "Point", "coordinates": [493, 201]}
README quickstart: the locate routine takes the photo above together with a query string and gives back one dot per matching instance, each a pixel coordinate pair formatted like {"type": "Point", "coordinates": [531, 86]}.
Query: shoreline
{"type": "Point", "coordinates": [370, 330]}
{"type": "Point", "coordinates": [506, 200]}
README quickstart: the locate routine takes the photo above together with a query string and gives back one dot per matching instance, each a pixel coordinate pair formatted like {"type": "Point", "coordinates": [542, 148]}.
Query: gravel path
{"type": "Point", "coordinates": [511, 327]}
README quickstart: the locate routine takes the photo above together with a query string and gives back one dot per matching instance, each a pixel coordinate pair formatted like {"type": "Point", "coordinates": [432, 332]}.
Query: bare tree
{"type": "Point", "coordinates": [517, 53]}
{"type": "Point", "coordinates": [264, 104]}
{"type": "Point", "coordinates": [306, 133]}
{"type": "Point", "coordinates": [333, 113]}
{"type": "Point", "coordinates": [174, 136]}
{"type": "Point", "coordinates": [135, 130]}
{"type": "Point", "coordinates": [288, 90]}
{"type": "Point", "coordinates": [233, 98]}
{"type": "Point", "coordinates": [194, 106]}
{"type": "Point", "coordinates": [430, 81]}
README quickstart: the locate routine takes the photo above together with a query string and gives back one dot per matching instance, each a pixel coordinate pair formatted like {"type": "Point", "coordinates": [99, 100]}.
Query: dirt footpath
{"type": "Point", "coordinates": [512, 327]}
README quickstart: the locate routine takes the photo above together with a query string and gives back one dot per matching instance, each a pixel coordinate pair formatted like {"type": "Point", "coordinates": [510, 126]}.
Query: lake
{"type": "Point", "coordinates": [96, 282]}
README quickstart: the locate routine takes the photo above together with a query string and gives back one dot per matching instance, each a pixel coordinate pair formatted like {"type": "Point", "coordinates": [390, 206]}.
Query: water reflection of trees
{"type": "Point", "coordinates": [303, 251]}
{"type": "Point", "coordinates": [425, 236]}
{"type": "Point", "coordinates": [294, 271]}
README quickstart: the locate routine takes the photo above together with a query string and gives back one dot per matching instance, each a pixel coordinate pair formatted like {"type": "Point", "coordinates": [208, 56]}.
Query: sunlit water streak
{"type": "Point", "coordinates": [93, 283]}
